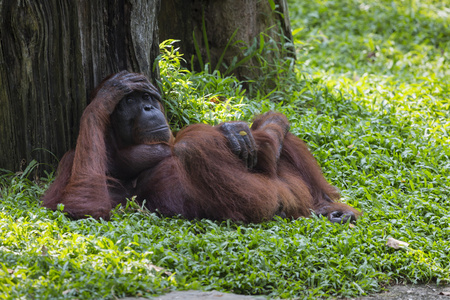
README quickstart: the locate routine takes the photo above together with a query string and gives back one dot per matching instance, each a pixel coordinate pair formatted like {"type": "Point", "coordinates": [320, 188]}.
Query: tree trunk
{"type": "Point", "coordinates": [218, 20]}
{"type": "Point", "coordinates": [52, 55]}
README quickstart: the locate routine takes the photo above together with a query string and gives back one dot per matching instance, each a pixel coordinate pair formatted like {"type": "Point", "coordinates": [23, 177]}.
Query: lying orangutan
{"type": "Point", "coordinates": [125, 147]}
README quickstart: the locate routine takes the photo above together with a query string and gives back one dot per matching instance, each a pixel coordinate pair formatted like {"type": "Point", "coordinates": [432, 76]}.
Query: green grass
{"type": "Point", "coordinates": [369, 93]}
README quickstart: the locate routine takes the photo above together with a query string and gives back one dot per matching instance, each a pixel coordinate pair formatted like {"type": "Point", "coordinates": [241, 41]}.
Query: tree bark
{"type": "Point", "coordinates": [180, 19]}
{"type": "Point", "coordinates": [52, 55]}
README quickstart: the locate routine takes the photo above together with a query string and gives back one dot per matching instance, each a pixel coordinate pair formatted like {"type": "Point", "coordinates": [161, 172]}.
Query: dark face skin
{"type": "Point", "coordinates": [138, 119]}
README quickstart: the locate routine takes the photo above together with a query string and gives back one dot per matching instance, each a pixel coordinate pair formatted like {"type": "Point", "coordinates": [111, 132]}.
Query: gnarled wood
{"type": "Point", "coordinates": [52, 54]}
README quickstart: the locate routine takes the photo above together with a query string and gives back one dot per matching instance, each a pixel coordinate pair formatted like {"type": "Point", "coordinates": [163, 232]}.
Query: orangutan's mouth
{"type": "Point", "coordinates": [157, 129]}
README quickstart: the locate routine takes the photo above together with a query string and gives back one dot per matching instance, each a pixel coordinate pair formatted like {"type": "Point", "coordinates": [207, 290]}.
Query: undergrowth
{"type": "Point", "coordinates": [369, 92]}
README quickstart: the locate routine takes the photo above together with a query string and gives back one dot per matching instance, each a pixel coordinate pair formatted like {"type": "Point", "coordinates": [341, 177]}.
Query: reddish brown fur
{"type": "Point", "coordinates": [196, 175]}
